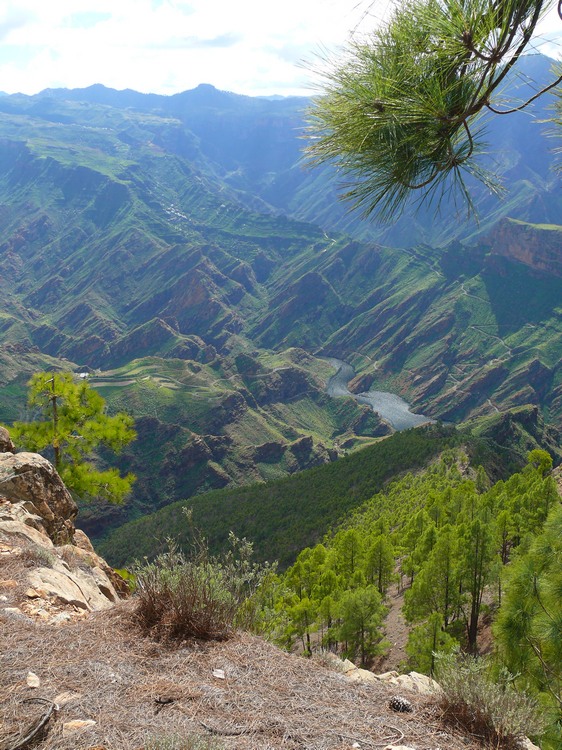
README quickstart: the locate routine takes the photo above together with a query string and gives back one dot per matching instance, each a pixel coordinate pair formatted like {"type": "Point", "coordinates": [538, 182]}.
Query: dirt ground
{"type": "Point", "coordinates": [245, 693]}
{"type": "Point", "coordinates": [396, 632]}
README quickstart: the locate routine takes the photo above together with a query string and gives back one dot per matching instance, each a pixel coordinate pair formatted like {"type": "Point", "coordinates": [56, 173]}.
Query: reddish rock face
{"type": "Point", "coordinates": [537, 246]}
{"type": "Point", "coordinates": [30, 479]}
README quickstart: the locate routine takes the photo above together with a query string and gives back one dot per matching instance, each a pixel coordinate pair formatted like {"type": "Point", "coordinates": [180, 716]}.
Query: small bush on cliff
{"type": "Point", "coordinates": [198, 596]}
{"type": "Point", "coordinates": [493, 710]}
{"type": "Point", "coordinates": [37, 556]}
{"type": "Point", "coordinates": [180, 598]}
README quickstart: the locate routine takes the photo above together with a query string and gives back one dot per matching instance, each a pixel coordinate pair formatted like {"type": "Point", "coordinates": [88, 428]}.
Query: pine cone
{"type": "Point", "coordinates": [397, 703]}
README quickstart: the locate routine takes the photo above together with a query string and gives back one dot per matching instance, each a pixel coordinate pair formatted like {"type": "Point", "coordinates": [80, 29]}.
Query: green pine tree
{"type": "Point", "coordinates": [379, 563]}
{"type": "Point", "coordinates": [436, 588]}
{"type": "Point", "coordinates": [528, 628]}
{"type": "Point", "coordinates": [425, 641]}
{"type": "Point", "coordinates": [72, 423]}
{"type": "Point", "coordinates": [476, 565]}
{"type": "Point", "coordinates": [361, 613]}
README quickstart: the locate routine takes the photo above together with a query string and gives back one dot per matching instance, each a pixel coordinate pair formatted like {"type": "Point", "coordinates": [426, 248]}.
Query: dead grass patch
{"type": "Point", "coordinates": [244, 693]}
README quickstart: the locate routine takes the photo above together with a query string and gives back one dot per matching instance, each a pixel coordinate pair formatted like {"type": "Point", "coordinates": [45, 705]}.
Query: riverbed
{"type": "Point", "coordinates": [389, 406]}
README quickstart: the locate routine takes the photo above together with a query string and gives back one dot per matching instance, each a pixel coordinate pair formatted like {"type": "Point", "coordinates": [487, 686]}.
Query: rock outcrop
{"type": "Point", "coordinates": [413, 682]}
{"type": "Point", "coordinates": [49, 582]}
{"type": "Point", "coordinates": [48, 569]}
{"type": "Point", "coordinates": [6, 444]}
{"type": "Point", "coordinates": [30, 482]}
{"type": "Point", "coordinates": [536, 245]}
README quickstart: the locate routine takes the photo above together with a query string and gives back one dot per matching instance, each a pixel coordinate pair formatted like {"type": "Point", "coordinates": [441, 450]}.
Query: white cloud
{"type": "Point", "coordinates": [165, 46]}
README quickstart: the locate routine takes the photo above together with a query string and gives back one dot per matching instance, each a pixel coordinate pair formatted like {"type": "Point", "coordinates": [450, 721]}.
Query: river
{"type": "Point", "coordinates": [389, 406]}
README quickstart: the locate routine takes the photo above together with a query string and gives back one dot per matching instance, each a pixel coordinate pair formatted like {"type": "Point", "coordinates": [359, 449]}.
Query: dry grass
{"type": "Point", "coordinates": [137, 690]}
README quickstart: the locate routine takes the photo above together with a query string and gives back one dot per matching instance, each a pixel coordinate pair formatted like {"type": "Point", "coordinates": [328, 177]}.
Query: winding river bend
{"type": "Point", "coordinates": [389, 406]}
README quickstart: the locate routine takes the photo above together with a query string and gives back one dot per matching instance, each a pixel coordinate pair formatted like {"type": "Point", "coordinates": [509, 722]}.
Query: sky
{"type": "Point", "coordinates": [252, 47]}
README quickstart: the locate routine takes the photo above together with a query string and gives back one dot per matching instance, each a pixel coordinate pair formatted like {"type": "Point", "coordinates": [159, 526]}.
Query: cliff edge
{"type": "Point", "coordinates": [538, 246]}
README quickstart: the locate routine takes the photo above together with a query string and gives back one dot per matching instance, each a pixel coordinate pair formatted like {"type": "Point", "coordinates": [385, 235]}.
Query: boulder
{"type": "Point", "coordinates": [30, 480]}
{"type": "Point", "coordinates": [345, 665]}
{"type": "Point", "coordinates": [361, 675]}
{"type": "Point", "coordinates": [418, 683]}
{"type": "Point", "coordinates": [65, 575]}
{"type": "Point", "coordinates": [56, 582]}
{"type": "Point", "coordinates": [6, 445]}
{"type": "Point", "coordinates": [15, 526]}
{"type": "Point", "coordinates": [413, 681]}
{"type": "Point", "coordinates": [75, 588]}
{"type": "Point", "coordinates": [84, 553]}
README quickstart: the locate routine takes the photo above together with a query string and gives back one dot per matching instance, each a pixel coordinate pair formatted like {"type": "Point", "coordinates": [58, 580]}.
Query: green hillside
{"type": "Point", "coordinates": [283, 516]}
{"type": "Point", "coordinates": [453, 552]}
{"type": "Point", "coordinates": [232, 421]}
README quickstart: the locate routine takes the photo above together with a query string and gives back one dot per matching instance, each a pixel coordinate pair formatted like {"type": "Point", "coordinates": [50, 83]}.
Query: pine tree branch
{"type": "Point", "coordinates": [529, 101]}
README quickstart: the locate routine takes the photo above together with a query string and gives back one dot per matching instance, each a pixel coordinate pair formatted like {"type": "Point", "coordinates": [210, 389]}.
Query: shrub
{"type": "Point", "coordinates": [493, 710]}
{"type": "Point", "coordinates": [198, 596]}
{"type": "Point", "coordinates": [180, 598]}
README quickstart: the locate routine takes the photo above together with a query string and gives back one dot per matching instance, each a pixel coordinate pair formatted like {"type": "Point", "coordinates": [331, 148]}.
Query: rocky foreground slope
{"type": "Point", "coordinates": [77, 674]}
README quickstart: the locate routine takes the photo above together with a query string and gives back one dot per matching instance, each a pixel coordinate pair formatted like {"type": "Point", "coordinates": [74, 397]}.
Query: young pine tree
{"type": "Point", "coordinates": [361, 613]}
{"type": "Point", "coordinates": [427, 640]}
{"type": "Point", "coordinates": [71, 424]}
{"type": "Point", "coordinates": [436, 588]}
{"type": "Point", "coordinates": [528, 629]}
{"type": "Point", "coordinates": [379, 563]}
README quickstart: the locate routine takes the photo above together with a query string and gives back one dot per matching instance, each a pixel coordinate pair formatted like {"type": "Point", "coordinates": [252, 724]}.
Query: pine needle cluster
{"type": "Point", "coordinates": [400, 112]}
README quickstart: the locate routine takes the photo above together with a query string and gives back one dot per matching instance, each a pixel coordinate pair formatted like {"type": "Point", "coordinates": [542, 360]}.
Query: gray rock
{"type": "Point", "coordinates": [14, 525]}
{"type": "Point", "coordinates": [79, 588]}
{"type": "Point", "coordinates": [6, 445]}
{"type": "Point", "coordinates": [15, 613]}
{"type": "Point", "coordinates": [526, 744]}
{"type": "Point", "coordinates": [30, 479]}
{"type": "Point", "coordinates": [414, 682]}
{"type": "Point", "coordinates": [32, 680]}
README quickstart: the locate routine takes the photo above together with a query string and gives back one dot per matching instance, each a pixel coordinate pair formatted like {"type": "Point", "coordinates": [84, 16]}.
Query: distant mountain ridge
{"type": "Point", "coordinates": [257, 146]}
